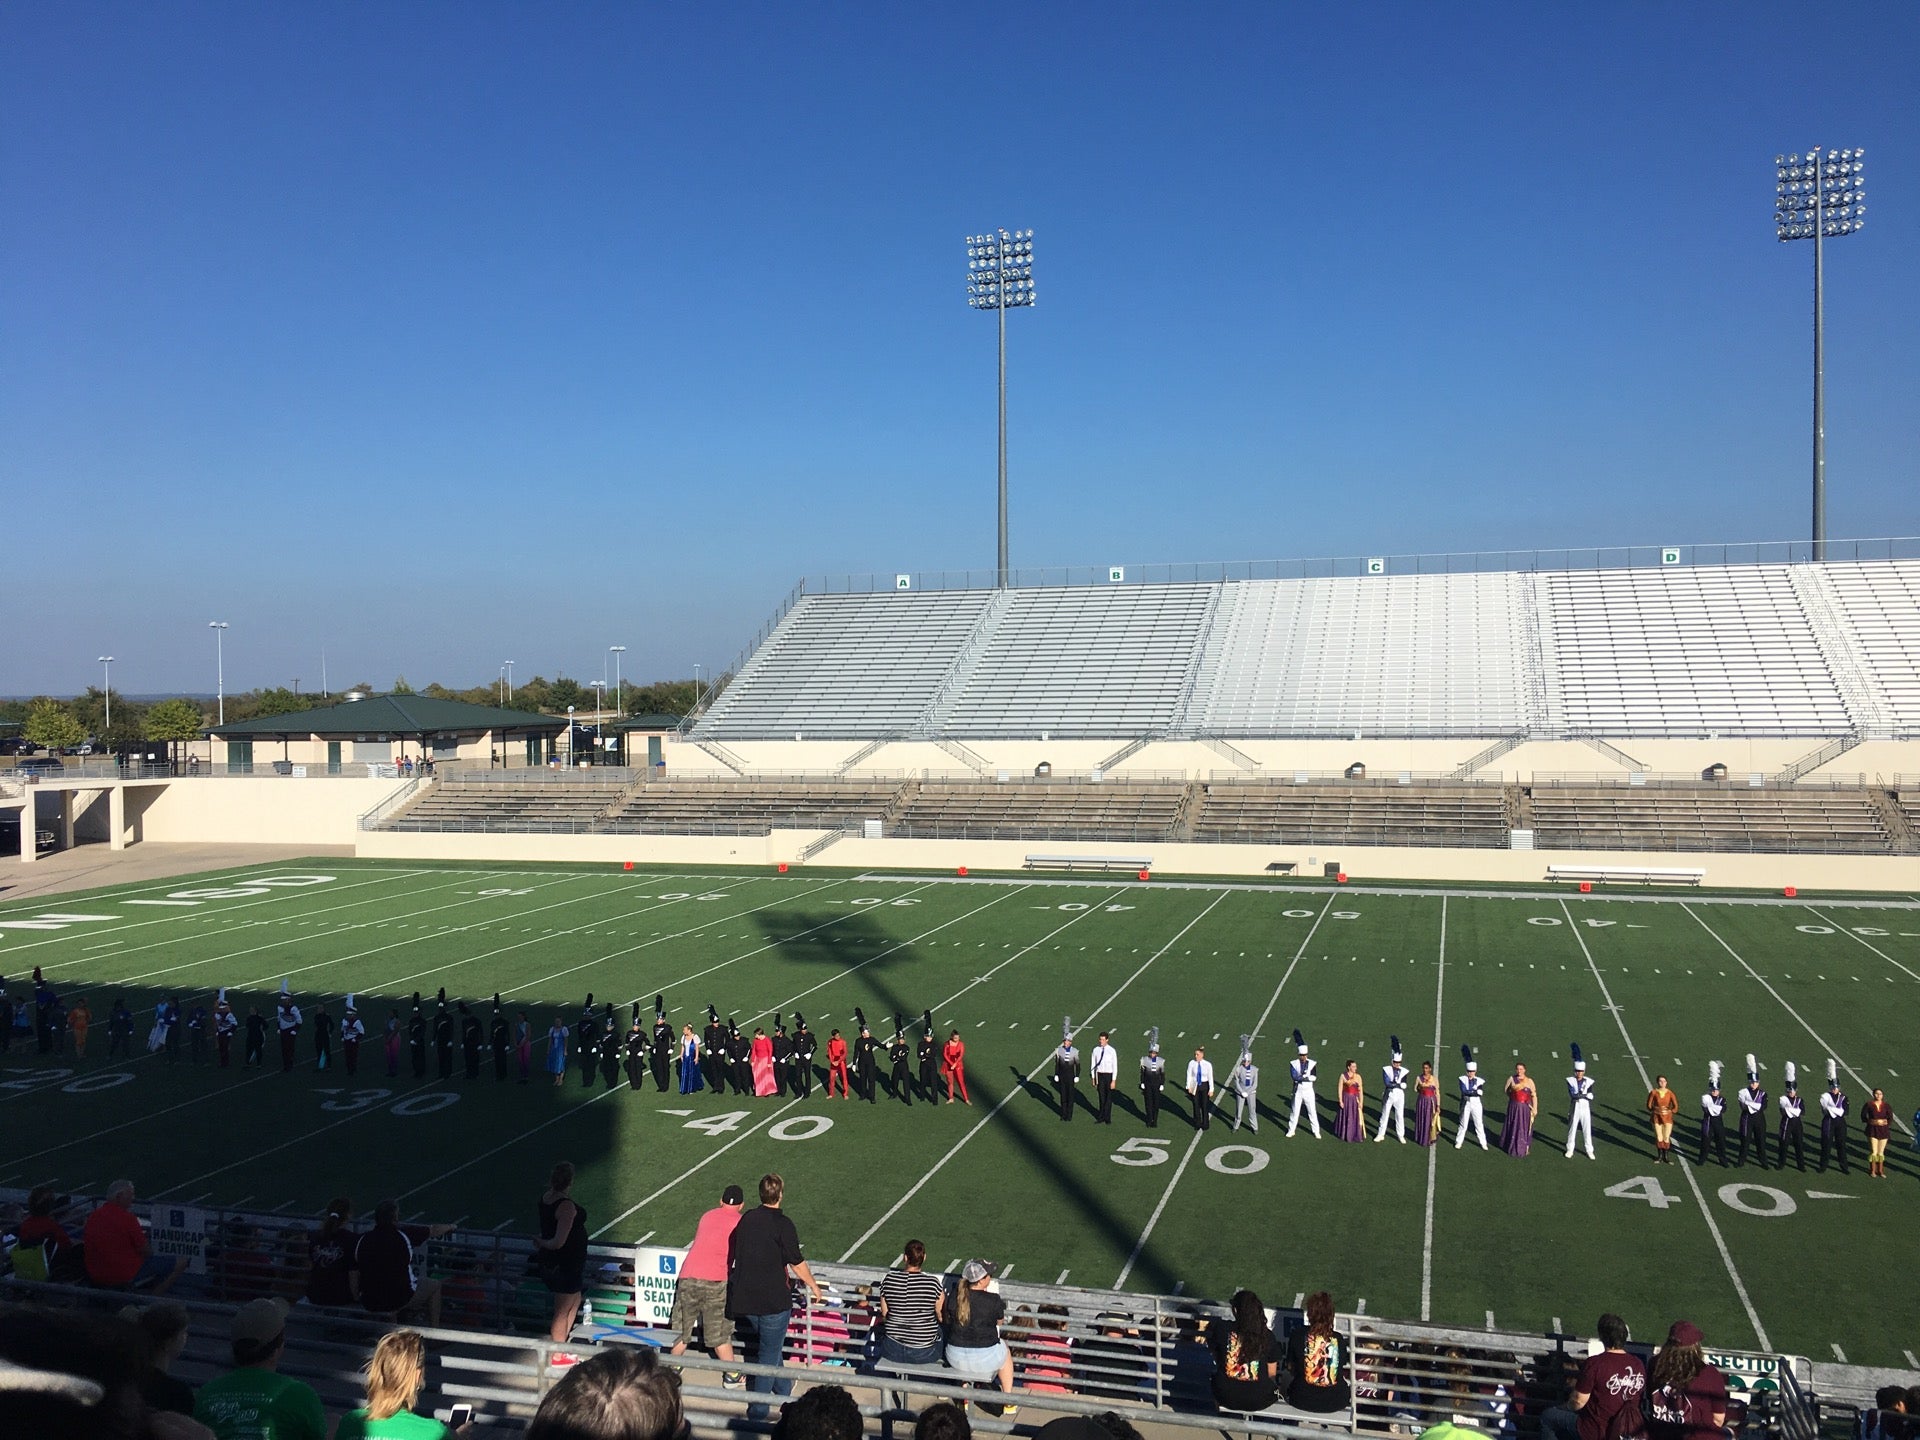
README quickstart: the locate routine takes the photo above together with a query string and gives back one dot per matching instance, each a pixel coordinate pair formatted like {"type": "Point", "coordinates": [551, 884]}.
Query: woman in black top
{"type": "Point", "coordinates": [562, 1254]}
{"type": "Point", "coordinates": [974, 1345]}
{"type": "Point", "coordinates": [1317, 1362]}
{"type": "Point", "coordinates": [1246, 1361]}
{"type": "Point", "coordinates": [164, 1326]}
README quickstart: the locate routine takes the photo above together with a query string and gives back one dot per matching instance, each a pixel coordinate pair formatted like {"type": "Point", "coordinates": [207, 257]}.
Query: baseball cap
{"type": "Point", "coordinates": [1684, 1332]}
{"type": "Point", "coordinates": [976, 1271]}
{"type": "Point", "coordinates": [733, 1195]}
{"type": "Point", "coordinates": [259, 1322]}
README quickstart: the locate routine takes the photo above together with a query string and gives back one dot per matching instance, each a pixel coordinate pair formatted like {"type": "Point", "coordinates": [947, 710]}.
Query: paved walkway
{"type": "Point", "coordinates": [89, 867]}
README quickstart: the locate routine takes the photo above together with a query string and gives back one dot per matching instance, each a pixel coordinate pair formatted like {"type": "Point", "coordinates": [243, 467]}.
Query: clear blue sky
{"type": "Point", "coordinates": [437, 334]}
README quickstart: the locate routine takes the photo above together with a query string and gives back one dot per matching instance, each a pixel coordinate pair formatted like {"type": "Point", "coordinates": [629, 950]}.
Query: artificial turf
{"type": "Point", "coordinates": [1458, 1237]}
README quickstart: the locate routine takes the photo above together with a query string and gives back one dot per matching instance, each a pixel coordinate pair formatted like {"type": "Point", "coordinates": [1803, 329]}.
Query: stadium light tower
{"type": "Point", "coordinates": [1000, 278]}
{"type": "Point", "coordinates": [219, 628]}
{"type": "Point", "coordinates": [106, 669]}
{"type": "Point", "coordinates": [1819, 196]}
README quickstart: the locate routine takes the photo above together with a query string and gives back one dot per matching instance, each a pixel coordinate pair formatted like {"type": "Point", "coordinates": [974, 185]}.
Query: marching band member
{"type": "Point", "coordinates": [289, 1021]}
{"type": "Point", "coordinates": [1580, 1098]}
{"type": "Point", "coordinates": [1473, 1092]}
{"type": "Point", "coordinates": [353, 1030]}
{"type": "Point", "coordinates": [1833, 1119]}
{"type": "Point", "coordinates": [1876, 1118]}
{"type": "Point", "coordinates": [1426, 1105]}
{"type": "Point", "coordinates": [1153, 1078]}
{"type": "Point", "coordinates": [226, 1025]}
{"type": "Point", "coordinates": [1662, 1106]}
{"type": "Point", "coordinates": [1393, 1095]}
{"type": "Point", "coordinates": [1066, 1068]}
{"type": "Point", "coordinates": [1792, 1126]}
{"type": "Point", "coordinates": [953, 1065]}
{"type": "Point", "coordinates": [1523, 1107]}
{"type": "Point", "coordinates": [1349, 1120]}
{"type": "Point", "coordinates": [1753, 1115]}
{"type": "Point", "coordinates": [1713, 1109]}
{"type": "Point", "coordinates": [1243, 1081]}
{"type": "Point", "coordinates": [1302, 1071]}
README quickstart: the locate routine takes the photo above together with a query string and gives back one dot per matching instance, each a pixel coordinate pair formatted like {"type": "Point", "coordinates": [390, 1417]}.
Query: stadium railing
{"type": "Point", "coordinates": [1076, 1350]}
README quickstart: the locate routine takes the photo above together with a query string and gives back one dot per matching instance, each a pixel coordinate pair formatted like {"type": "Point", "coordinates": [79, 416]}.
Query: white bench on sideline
{"type": "Point", "coordinates": [1089, 862]}
{"type": "Point", "coordinates": [1633, 874]}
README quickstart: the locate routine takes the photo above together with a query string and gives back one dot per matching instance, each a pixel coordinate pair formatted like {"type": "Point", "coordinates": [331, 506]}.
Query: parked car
{"type": "Point", "coordinates": [41, 765]}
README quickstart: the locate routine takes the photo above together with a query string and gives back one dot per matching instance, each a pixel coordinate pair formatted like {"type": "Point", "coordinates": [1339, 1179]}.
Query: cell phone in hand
{"type": "Point", "coordinates": [462, 1415]}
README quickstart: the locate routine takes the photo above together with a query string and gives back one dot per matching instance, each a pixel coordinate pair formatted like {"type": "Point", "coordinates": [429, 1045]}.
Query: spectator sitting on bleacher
{"type": "Point", "coordinates": [1315, 1361]}
{"type": "Point", "coordinates": [1888, 1419]}
{"type": "Point", "coordinates": [164, 1328]}
{"type": "Point", "coordinates": [944, 1421]}
{"type": "Point", "coordinates": [700, 1293]}
{"type": "Point", "coordinates": [1606, 1398]}
{"type": "Point", "coordinates": [396, 1373]}
{"type": "Point", "coordinates": [974, 1344]}
{"type": "Point", "coordinates": [623, 1393]}
{"type": "Point", "coordinates": [1246, 1361]}
{"type": "Point", "coordinates": [251, 1401]}
{"type": "Point", "coordinates": [76, 1377]}
{"type": "Point", "coordinates": [116, 1247]}
{"type": "Point", "coordinates": [911, 1302]}
{"type": "Point", "coordinates": [65, 1262]}
{"type": "Point", "coordinates": [826, 1412]}
{"type": "Point", "coordinates": [330, 1258]}
{"type": "Point", "coordinates": [384, 1259]}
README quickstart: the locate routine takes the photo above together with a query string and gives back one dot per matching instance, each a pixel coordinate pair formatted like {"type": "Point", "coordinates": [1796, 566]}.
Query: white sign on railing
{"type": "Point", "coordinates": [656, 1274]}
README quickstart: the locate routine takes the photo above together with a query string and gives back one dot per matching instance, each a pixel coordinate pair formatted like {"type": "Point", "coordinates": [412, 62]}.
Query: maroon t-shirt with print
{"type": "Point", "coordinates": [1689, 1414]}
{"type": "Point", "coordinates": [1613, 1383]}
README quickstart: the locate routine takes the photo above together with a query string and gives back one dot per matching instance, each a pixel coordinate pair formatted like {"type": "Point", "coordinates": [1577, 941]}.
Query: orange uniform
{"type": "Point", "coordinates": [1662, 1105]}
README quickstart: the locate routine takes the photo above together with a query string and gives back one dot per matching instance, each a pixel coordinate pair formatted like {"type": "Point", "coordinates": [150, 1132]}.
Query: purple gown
{"type": "Point", "coordinates": [1348, 1124]}
{"type": "Point", "coordinates": [1516, 1134]}
{"type": "Point", "coordinates": [1426, 1109]}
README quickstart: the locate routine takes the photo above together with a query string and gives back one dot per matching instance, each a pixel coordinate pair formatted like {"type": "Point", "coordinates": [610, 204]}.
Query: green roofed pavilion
{"type": "Point", "coordinates": [384, 729]}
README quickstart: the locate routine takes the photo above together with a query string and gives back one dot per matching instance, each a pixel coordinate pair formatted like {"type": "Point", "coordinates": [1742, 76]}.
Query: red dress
{"type": "Point", "coordinates": [1878, 1119]}
{"type": "Point", "coordinates": [837, 1066]}
{"type": "Point", "coordinates": [953, 1065]}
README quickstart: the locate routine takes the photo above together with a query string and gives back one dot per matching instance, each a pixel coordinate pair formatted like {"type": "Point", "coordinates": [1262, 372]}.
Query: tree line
{"type": "Point", "coordinates": [61, 723]}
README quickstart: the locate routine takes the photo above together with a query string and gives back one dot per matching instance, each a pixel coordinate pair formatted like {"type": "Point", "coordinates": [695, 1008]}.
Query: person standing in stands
{"type": "Point", "coordinates": [1153, 1079]}
{"type": "Point", "coordinates": [953, 1065]}
{"type": "Point", "coordinates": [1066, 1069]}
{"type": "Point", "coordinates": [1662, 1106]}
{"type": "Point", "coordinates": [700, 1292]}
{"type": "Point", "coordinates": [764, 1247]}
{"type": "Point", "coordinates": [1200, 1088]}
{"type": "Point", "coordinates": [561, 1251]}
{"type": "Point", "coordinates": [1686, 1397]}
{"type": "Point", "coordinates": [836, 1065]}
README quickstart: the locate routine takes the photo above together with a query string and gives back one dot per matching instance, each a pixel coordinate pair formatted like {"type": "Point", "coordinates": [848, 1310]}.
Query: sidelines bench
{"type": "Point", "coordinates": [1089, 862]}
{"type": "Point", "coordinates": [1633, 874]}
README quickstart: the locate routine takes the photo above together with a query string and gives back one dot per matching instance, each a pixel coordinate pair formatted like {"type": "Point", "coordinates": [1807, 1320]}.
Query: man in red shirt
{"type": "Point", "coordinates": [1606, 1397]}
{"type": "Point", "coordinates": [116, 1248]}
{"type": "Point", "coordinates": [701, 1294]}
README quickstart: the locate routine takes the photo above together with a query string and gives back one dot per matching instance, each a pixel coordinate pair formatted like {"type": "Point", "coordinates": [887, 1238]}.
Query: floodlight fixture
{"type": "Point", "coordinates": [1000, 278]}
{"type": "Point", "coordinates": [1819, 196]}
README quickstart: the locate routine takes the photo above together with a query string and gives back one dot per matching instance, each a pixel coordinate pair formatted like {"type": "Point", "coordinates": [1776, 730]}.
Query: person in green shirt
{"type": "Point", "coordinates": [395, 1376]}
{"type": "Point", "coordinates": [251, 1401]}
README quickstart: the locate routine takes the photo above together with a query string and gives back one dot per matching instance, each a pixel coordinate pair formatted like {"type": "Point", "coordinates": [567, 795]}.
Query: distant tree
{"type": "Point", "coordinates": [400, 686]}
{"type": "Point", "coordinates": [662, 697]}
{"type": "Point", "coordinates": [564, 692]}
{"type": "Point", "coordinates": [278, 701]}
{"type": "Point", "coordinates": [53, 725]}
{"type": "Point", "coordinates": [176, 722]}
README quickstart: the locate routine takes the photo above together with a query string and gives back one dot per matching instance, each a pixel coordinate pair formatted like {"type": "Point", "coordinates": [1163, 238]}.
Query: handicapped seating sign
{"type": "Point", "coordinates": [180, 1230]}
{"type": "Point", "coordinates": [656, 1271]}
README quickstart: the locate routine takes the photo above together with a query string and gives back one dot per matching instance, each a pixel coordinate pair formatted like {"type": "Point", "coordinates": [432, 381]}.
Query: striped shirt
{"type": "Point", "coordinates": [910, 1297]}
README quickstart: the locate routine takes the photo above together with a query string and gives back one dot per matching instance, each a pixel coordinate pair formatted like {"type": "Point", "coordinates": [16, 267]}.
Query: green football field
{"type": "Point", "coordinates": [1796, 1261]}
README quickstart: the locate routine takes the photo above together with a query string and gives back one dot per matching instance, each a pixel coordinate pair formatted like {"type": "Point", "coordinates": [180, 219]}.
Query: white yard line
{"type": "Point", "coordinates": [1433, 1150]}
{"type": "Point", "coordinates": [1146, 1232]}
{"type": "Point", "coordinates": [1862, 940]}
{"type": "Point", "coordinates": [1686, 1169]}
{"type": "Point", "coordinates": [1008, 1098]}
{"type": "Point", "coordinates": [567, 1114]}
{"type": "Point", "coordinates": [1858, 1078]}
{"type": "Point", "coordinates": [698, 1165]}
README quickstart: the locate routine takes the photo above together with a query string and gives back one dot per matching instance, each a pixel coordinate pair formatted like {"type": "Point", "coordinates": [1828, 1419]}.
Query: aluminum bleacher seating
{"type": "Point", "coordinates": [1880, 605]}
{"type": "Point", "coordinates": [1387, 655]}
{"type": "Point", "coordinates": [528, 804]}
{"type": "Point", "coordinates": [747, 807]}
{"type": "Point", "coordinates": [1686, 650]}
{"type": "Point", "coordinates": [1040, 810]}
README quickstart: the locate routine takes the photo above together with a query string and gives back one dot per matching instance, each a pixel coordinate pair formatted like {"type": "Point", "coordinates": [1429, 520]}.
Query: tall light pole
{"type": "Point", "coordinates": [698, 689]}
{"type": "Point", "coordinates": [1000, 278]}
{"type": "Point", "coordinates": [106, 669]}
{"type": "Point", "coordinates": [616, 651]}
{"type": "Point", "coordinates": [219, 628]}
{"type": "Point", "coordinates": [506, 668]}
{"type": "Point", "coordinates": [569, 737]}
{"type": "Point", "coordinates": [599, 688]}
{"type": "Point", "coordinates": [1819, 196]}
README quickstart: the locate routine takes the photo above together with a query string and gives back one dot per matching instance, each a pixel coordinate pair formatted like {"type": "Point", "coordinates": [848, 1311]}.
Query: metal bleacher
{"type": "Point", "coordinates": [1040, 810]}
{"type": "Point", "coordinates": [1258, 812]}
{"type": "Point", "coordinates": [1774, 821]}
{"type": "Point", "coordinates": [1655, 650]}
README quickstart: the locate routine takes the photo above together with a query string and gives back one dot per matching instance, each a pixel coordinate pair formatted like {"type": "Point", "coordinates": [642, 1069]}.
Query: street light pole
{"type": "Point", "coordinates": [507, 666]}
{"type": "Point", "coordinates": [219, 628]}
{"type": "Point", "coordinates": [569, 737]}
{"type": "Point", "coordinates": [1817, 197]}
{"type": "Point", "coordinates": [617, 651]}
{"type": "Point", "coordinates": [106, 669]}
{"type": "Point", "coordinates": [999, 278]}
